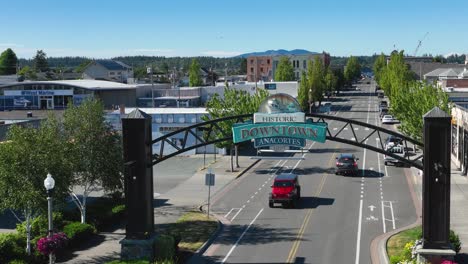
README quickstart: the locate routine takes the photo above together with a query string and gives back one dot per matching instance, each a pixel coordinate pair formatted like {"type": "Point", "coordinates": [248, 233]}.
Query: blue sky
{"type": "Point", "coordinates": [224, 28]}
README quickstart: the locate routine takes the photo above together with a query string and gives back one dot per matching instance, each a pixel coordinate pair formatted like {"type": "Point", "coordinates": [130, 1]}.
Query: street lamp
{"type": "Point", "coordinates": [310, 101]}
{"type": "Point", "coordinates": [49, 184]}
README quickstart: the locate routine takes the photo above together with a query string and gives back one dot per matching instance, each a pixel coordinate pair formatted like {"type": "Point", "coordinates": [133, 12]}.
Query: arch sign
{"type": "Point", "coordinates": [279, 121]}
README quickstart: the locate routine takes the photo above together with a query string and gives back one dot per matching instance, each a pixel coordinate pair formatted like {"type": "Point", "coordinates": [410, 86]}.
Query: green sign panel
{"type": "Point", "coordinates": [271, 141]}
{"type": "Point", "coordinates": [310, 131]}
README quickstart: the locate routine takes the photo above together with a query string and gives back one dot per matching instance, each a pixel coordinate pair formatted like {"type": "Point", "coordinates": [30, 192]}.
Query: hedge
{"type": "Point", "coordinates": [77, 232]}
{"type": "Point", "coordinates": [12, 246]}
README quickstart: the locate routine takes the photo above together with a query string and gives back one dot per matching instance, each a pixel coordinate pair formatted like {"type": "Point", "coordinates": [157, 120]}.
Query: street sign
{"type": "Point", "coordinates": [209, 179]}
{"type": "Point", "coordinates": [270, 86]}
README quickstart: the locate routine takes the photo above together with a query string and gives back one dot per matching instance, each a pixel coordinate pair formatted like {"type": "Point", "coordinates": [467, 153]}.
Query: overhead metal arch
{"type": "Point", "coordinates": [214, 133]}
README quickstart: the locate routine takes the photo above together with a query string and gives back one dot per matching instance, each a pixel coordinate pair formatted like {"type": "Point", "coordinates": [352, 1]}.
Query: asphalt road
{"type": "Point", "coordinates": [337, 217]}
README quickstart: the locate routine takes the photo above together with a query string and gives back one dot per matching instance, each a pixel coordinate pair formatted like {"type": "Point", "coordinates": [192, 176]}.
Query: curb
{"type": "Point", "coordinates": [247, 168]}
{"type": "Point", "coordinates": [213, 236]}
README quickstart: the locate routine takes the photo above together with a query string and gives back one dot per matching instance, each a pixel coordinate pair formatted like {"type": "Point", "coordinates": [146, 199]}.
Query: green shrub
{"type": "Point", "coordinates": [118, 210]}
{"type": "Point", "coordinates": [78, 232]}
{"type": "Point", "coordinates": [396, 259]}
{"type": "Point", "coordinates": [17, 261]}
{"type": "Point", "coordinates": [455, 241]}
{"type": "Point", "coordinates": [40, 225]}
{"type": "Point", "coordinates": [165, 247]}
{"type": "Point", "coordinates": [12, 246]}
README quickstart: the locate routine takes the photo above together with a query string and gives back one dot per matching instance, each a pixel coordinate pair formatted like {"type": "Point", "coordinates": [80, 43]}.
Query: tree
{"type": "Point", "coordinates": [40, 61]}
{"type": "Point", "coordinates": [95, 151]}
{"type": "Point", "coordinates": [243, 66]}
{"type": "Point", "coordinates": [340, 80]}
{"type": "Point", "coordinates": [25, 159]}
{"type": "Point", "coordinates": [316, 80]}
{"type": "Point", "coordinates": [8, 62]}
{"type": "Point", "coordinates": [330, 82]}
{"type": "Point", "coordinates": [352, 69]}
{"type": "Point", "coordinates": [81, 68]}
{"type": "Point", "coordinates": [284, 71]}
{"type": "Point", "coordinates": [303, 95]}
{"type": "Point", "coordinates": [235, 102]}
{"type": "Point", "coordinates": [379, 66]}
{"type": "Point", "coordinates": [28, 73]}
{"type": "Point", "coordinates": [194, 74]}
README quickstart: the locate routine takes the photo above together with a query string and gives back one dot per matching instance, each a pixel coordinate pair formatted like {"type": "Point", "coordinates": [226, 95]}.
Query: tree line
{"type": "Point", "coordinates": [409, 99]}
{"type": "Point", "coordinates": [319, 80]}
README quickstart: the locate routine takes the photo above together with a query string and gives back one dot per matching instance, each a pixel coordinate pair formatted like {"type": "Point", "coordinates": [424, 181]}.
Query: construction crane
{"type": "Point", "coordinates": [419, 44]}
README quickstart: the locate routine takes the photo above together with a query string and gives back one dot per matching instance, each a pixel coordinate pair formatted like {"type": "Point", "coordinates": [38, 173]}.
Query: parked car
{"type": "Point", "coordinates": [389, 119]}
{"type": "Point", "coordinates": [285, 190]}
{"type": "Point", "coordinates": [346, 164]}
{"type": "Point", "coordinates": [397, 149]}
{"type": "Point", "coordinates": [380, 94]}
{"type": "Point", "coordinates": [383, 111]}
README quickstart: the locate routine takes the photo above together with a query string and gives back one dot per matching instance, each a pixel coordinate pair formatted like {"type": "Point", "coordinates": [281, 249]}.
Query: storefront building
{"type": "Point", "coordinates": [55, 95]}
{"type": "Point", "coordinates": [167, 120]}
{"type": "Point", "coordinates": [460, 138]}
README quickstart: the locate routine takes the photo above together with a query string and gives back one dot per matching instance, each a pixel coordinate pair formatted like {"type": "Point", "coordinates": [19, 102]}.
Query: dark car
{"type": "Point", "coordinates": [346, 164]}
{"type": "Point", "coordinates": [285, 190]}
{"type": "Point", "coordinates": [383, 111]}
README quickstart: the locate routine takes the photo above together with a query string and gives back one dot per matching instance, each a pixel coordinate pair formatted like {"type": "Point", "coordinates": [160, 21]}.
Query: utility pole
{"type": "Point", "coordinates": [225, 74]}
{"type": "Point", "coordinates": [150, 71]}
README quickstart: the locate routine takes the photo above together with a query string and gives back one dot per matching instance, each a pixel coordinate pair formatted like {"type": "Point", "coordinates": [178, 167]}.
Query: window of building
{"type": "Point", "coordinates": [268, 61]}
{"type": "Point", "coordinates": [251, 70]}
{"type": "Point", "coordinates": [251, 61]}
{"type": "Point", "coordinates": [294, 64]}
{"type": "Point", "coordinates": [261, 69]}
{"type": "Point", "coordinates": [304, 64]}
{"type": "Point", "coordinates": [111, 73]}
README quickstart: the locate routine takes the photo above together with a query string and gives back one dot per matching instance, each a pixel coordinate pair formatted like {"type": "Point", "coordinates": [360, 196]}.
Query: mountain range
{"type": "Point", "coordinates": [276, 52]}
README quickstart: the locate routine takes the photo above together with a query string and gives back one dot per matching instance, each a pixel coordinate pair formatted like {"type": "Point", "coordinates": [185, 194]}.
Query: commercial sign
{"type": "Point", "coordinates": [37, 92]}
{"type": "Point", "coordinates": [274, 141]}
{"type": "Point", "coordinates": [311, 131]}
{"type": "Point", "coordinates": [277, 118]}
{"type": "Point", "coordinates": [270, 86]}
{"type": "Point", "coordinates": [279, 122]}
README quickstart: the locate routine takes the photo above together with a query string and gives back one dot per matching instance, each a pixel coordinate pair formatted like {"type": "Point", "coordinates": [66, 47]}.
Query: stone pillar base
{"type": "Point", "coordinates": [133, 249]}
{"type": "Point", "coordinates": [427, 255]}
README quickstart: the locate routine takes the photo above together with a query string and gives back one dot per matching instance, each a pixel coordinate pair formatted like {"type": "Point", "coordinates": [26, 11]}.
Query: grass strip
{"type": "Point", "coordinates": [397, 242]}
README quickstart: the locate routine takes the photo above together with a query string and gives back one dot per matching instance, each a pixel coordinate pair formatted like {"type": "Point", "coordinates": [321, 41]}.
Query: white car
{"type": "Point", "coordinates": [389, 119]}
{"type": "Point", "coordinates": [398, 150]}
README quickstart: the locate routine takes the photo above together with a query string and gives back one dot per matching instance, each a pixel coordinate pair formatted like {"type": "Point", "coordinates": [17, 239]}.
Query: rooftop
{"type": "Point", "coordinates": [167, 110]}
{"type": "Point", "coordinates": [87, 84]}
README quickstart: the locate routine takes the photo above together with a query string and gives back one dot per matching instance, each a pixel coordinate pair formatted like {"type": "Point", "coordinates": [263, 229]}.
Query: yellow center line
{"type": "Point", "coordinates": [305, 223]}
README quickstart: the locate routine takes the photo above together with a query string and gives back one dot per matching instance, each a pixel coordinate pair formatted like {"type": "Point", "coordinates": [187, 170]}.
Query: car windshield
{"type": "Point", "coordinates": [283, 184]}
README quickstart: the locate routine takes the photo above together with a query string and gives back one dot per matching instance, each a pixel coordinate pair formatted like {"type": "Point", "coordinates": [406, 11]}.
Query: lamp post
{"type": "Point", "coordinates": [49, 184]}
{"type": "Point", "coordinates": [310, 101]}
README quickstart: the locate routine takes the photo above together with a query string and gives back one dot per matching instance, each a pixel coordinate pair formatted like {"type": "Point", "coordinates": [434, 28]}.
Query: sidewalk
{"type": "Point", "coordinates": [186, 196]}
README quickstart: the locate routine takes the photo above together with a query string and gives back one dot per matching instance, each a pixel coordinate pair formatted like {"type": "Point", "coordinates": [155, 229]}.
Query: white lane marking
{"type": "Point", "coordinates": [353, 139]}
{"type": "Point", "coordinates": [383, 218]}
{"type": "Point", "coordinates": [393, 217]}
{"type": "Point", "coordinates": [335, 128]}
{"type": "Point", "coordinates": [248, 201]}
{"type": "Point", "coordinates": [366, 128]}
{"type": "Point", "coordinates": [234, 217]}
{"type": "Point", "coordinates": [257, 192]}
{"type": "Point", "coordinates": [226, 215]}
{"type": "Point", "coordinates": [345, 128]}
{"type": "Point", "coordinates": [356, 128]}
{"type": "Point", "coordinates": [371, 207]}
{"type": "Point", "coordinates": [358, 239]}
{"type": "Point", "coordinates": [251, 197]}
{"type": "Point", "coordinates": [241, 236]}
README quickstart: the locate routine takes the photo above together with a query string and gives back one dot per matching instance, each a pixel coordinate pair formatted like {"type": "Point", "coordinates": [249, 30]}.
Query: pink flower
{"type": "Point", "coordinates": [48, 245]}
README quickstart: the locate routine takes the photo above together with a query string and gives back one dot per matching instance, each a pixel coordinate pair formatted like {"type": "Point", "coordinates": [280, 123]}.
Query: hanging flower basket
{"type": "Point", "coordinates": [50, 245]}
